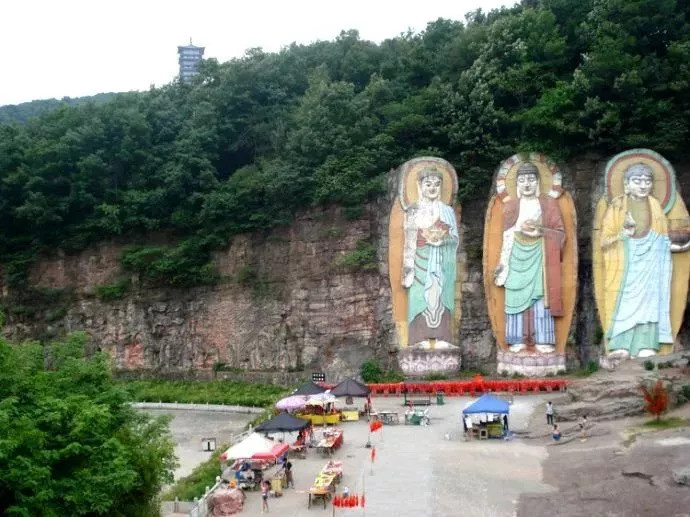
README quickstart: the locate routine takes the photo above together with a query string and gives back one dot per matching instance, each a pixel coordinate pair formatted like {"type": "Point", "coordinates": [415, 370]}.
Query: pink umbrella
{"type": "Point", "coordinates": [292, 402]}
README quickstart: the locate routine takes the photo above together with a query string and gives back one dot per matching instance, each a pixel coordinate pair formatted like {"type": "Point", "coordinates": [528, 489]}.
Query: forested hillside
{"type": "Point", "coordinates": [256, 138]}
{"type": "Point", "coordinates": [32, 109]}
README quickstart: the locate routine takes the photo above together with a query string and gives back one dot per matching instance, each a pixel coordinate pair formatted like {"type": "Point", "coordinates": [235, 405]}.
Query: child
{"type": "Point", "coordinates": [265, 487]}
{"type": "Point", "coordinates": [556, 434]}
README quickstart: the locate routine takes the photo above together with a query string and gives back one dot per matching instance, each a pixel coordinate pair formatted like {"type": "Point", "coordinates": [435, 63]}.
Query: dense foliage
{"type": "Point", "coordinates": [255, 138]}
{"type": "Point", "coordinates": [69, 442]}
{"type": "Point", "coordinates": [32, 109]}
{"type": "Point", "coordinates": [206, 392]}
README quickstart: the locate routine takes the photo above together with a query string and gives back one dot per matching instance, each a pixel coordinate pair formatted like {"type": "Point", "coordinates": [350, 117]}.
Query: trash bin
{"type": "Point", "coordinates": [439, 398]}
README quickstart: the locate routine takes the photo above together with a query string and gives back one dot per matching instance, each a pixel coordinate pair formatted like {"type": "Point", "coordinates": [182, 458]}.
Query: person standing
{"type": "Point", "coordinates": [549, 413]}
{"type": "Point", "coordinates": [288, 474]}
{"type": "Point", "coordinates": [265, 486]}
{"type": "Point", "coordinates": [468, 427]}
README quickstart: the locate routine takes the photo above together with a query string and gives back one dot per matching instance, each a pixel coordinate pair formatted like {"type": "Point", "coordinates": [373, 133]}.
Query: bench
{"type": "Point", "coordinates": [419, 401]}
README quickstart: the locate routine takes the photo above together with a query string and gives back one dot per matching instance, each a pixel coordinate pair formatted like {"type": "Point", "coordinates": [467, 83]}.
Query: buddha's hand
{"type": "Point", "coordinates": [629, 225]}
{"type": "Point", "coordinates": [499, 277]}
{"type": "Point", "coordinates": [530, 228]}
{"type": "Point", "coordinates": [408, 276]}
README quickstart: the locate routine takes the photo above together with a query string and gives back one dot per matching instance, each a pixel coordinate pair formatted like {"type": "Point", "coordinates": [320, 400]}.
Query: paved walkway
{"type": "Point", "coordinates": [424, 471]}
{"type": "Point", "coordinates": [189, 427]}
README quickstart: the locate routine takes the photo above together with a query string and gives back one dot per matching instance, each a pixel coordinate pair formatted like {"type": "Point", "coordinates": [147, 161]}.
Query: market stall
{"type": "Point", "coordinates": [330, 441]}
{"type": "Point", "coordinates": [320, 410]}
{"type": "Point", "coordinates": [286, 423]}
{"type": "Point", "coordinates": [251, 458]}
{"type": "Point", "coordinates": [308, 388]}
{"type": "Point", "coordinates": [487, 417]}
{"type": "Point", "coordinates": [350, 388]}
{"type": "Point", "coordinates": [325, 482]}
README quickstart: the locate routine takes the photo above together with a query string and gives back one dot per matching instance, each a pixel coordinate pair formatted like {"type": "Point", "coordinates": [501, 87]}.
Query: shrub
{"type": "Point", "coordinates": [435, 376]}
{"type": "Point", "coordinates": [184, 265]}
{"type": "Point", "coordinates": [362, 258]}
{"type": "Point", "coordinates": [684, 394]}
{"type": "Point", "coordinates": [648, 365]}
{"type": "Point", "coordinates": [202, 392]}
{"type": "Point", "coordinates": [656, 398]}
{"type": "Point", "coordinates": [371, 371]}
{"type": "Point", "coordinates": [110, 292]}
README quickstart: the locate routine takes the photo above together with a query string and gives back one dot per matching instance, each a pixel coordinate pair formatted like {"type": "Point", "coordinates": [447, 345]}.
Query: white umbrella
{"type": "Point", "coordinates": [321, 399]}
{"type": "Point", "coordinates": [252, 444]}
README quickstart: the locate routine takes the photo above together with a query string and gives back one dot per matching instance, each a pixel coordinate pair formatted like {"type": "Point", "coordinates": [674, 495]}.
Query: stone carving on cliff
{"type": "Point", "coordinates": [423, 266]}
{"type": "Point", "coordinates": [530, 265]}
{"type": "Point", "coordinates": [641, 261]}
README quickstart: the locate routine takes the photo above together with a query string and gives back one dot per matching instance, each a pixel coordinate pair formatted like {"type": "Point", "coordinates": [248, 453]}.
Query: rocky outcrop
{"type": "Point", "coordinates": [299, 310]}
{"type": "Point", "coordinates": [617, 394]}
{"type": "Point", "coordinates": [285, 303]}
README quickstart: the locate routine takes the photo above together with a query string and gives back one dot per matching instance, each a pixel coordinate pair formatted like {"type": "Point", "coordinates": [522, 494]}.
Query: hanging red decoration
{"type": "Point", "coordinates": [373, 454]}
{"type": "Point", "coordinates": [361, 500]}
{"type": "Point", "coordinates": [375, 426]}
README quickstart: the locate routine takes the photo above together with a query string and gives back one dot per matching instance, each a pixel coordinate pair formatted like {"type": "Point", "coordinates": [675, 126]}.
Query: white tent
{"type": "Point", "coordinates": [251, 445]}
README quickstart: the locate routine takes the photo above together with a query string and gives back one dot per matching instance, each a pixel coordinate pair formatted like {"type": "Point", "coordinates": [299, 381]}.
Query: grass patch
{"type": "Point", "coordinates": [203, 392]}
{"type": "Point", "coordinates": [194, 485]}
{"type": "Point", "coordinates": [666, 423]}
{"type": "Point", "coordinates": [587, 370]}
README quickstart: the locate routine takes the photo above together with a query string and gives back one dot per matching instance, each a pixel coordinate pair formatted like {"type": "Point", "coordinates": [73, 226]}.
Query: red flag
{"type": "Point", "coordinates": [375, 426]}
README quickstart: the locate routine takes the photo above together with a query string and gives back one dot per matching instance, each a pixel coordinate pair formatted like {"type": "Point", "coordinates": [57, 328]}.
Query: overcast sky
{"type": "Point", "coordinates": [57, 48]}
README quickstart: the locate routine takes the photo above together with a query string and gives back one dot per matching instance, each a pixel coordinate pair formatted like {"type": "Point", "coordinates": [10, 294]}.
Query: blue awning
{"type": "Point", "coordinates": [488, 404]}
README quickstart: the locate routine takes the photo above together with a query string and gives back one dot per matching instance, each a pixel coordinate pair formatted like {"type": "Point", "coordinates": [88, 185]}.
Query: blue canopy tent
{"type": "Point", "coordinates": [488, 404]}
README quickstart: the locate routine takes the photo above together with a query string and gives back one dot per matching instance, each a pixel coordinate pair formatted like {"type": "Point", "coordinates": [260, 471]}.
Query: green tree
{"type": "Point", "coordinates": [69, 442]}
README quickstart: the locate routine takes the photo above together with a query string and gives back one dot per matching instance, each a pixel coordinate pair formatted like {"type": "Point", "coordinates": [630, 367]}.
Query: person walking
{"type": "Point", "coordinates": [265, 487]}
{"type": "Point", "coordinates": [549, 413]}
{"type": "Point", "coordinates": [583, 428]}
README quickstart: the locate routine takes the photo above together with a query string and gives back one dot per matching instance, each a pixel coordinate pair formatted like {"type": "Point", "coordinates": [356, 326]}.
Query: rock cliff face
{"type": "Point", "coordinates": [286, 302]}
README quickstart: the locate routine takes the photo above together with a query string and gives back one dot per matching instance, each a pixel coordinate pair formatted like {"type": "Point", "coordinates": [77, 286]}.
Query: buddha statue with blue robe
{"type": "Point", "coordinates": [638, 269]}
{"type": "Point", "coordinates": [429, 264]}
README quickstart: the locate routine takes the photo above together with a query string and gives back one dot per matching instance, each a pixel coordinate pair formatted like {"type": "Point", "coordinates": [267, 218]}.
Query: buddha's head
{"type": "Point", "coordinates": [527, 179]}
{"type": "Point", "coordinates": [430, 183]}
{"type": "Point", "coordinates": [638, 180]}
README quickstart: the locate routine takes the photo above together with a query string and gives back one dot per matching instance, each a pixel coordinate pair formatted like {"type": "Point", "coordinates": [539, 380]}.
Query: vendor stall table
{"type": "Point", "coordinates": [332, 440]}
{"type": "Point", "coordinates": [329, 419]}
{"type": "Point", "coordinates": [324, 494]}
{"type": "Point", "coordinates": [389, 417]}
{"type": "Point", "coordinates": [349, 414]}
{"type": "Point", "coordinates": [324, 484]}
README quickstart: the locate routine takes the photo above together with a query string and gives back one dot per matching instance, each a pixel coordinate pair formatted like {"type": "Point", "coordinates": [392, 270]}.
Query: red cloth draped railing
{"type": "Point", "coordinates": [478, 385]}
